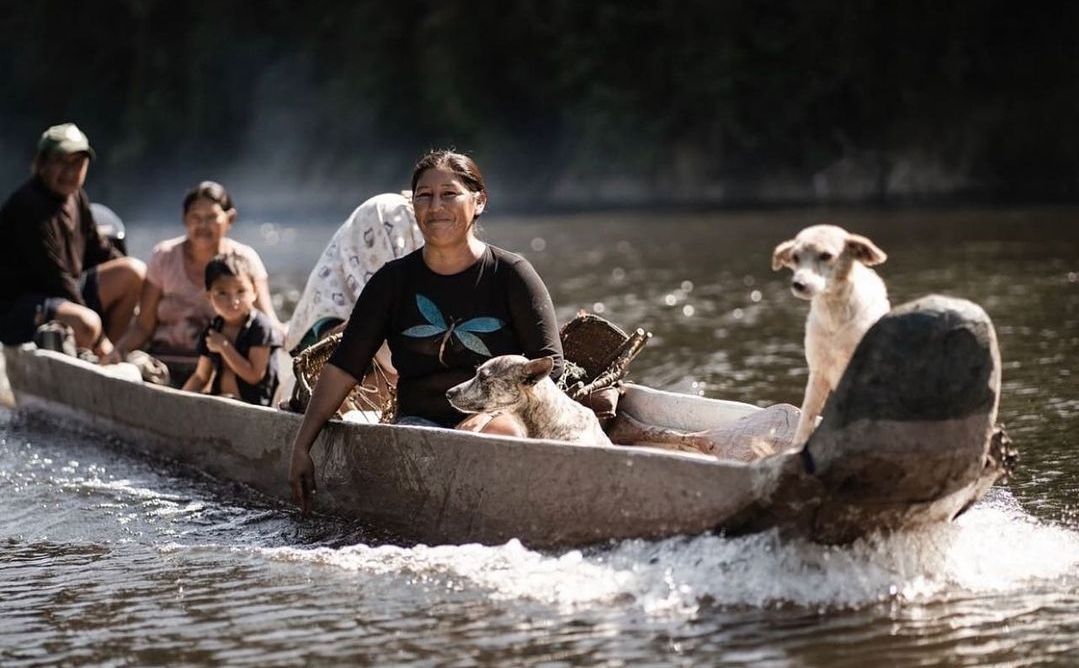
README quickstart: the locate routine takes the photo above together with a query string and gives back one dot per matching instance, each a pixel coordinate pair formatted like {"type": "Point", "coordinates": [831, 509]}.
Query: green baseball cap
{"type": "Point", "coordinates": [65, 138]}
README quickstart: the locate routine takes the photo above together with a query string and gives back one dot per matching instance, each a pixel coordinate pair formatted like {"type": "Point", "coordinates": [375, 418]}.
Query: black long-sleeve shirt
{"type": "Point", "coordinates": [48, 241]}
{"type": "Point", "coordinates": [440, 328]}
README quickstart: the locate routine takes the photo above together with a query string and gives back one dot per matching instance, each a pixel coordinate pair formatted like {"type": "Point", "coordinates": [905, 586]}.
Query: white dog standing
{"type": "Point", "coordinates": [831, 270]}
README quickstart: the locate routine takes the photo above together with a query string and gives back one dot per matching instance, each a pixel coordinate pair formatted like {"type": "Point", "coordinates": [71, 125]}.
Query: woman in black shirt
{"type": "Point", "coordinates": [444, 309]}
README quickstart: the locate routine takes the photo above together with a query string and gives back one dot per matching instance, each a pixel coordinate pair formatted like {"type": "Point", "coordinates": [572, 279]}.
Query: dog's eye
{"type": "Point", "coordinates": [826, 257]}
{"type": "Point", "coordinates": [794, 257]}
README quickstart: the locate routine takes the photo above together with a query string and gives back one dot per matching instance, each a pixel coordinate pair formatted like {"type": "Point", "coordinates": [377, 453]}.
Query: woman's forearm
{"type": "Point", "coordinates": [331, 389]}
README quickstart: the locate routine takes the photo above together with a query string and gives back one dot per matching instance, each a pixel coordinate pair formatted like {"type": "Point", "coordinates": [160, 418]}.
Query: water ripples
{"type": "Point", "coordinates": [112, 558]}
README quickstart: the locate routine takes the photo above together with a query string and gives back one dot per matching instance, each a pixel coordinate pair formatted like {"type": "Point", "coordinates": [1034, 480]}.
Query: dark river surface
{"type": "Point", "coordinates": [111, 560]}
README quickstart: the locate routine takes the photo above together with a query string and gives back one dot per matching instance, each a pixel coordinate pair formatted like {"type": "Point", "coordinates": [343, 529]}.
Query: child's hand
{"type": "Point", "coordinates": [216, 342]}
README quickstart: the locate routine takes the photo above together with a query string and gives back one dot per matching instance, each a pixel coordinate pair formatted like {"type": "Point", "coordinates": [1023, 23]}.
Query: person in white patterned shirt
{"type": "Point", "coordinates": [378, 230]}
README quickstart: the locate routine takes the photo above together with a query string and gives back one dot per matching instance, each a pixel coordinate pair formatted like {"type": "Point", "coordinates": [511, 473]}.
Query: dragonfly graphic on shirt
{"type": "Point", "coordinates": [465, 332]}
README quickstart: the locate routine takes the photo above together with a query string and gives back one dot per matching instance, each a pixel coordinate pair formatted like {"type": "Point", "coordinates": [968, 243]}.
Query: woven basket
{"type": "Point", "coordinates": [601, 349]}
{"type": "Point", "coordinates": [307, 366]}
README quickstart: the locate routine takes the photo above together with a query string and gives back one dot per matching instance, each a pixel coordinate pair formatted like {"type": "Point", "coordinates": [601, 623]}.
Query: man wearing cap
{"type": "Point", "coordinates": [54, 265]}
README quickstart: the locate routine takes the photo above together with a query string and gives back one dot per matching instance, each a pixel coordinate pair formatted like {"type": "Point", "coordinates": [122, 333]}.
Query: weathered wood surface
{"type": "Point", "coordinates": [910, 435]}
{"type": "Point", "coordinates": [425, 485]}
{"type": "Point", "coordinates": [905, 441]}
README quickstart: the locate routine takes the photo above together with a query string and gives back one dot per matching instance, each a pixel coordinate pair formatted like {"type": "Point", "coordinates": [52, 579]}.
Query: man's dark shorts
{"type": "Point", "coordinates": [21, 318]}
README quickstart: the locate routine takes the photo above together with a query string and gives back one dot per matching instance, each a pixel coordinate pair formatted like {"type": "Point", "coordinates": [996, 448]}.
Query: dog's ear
{"type": "Point", "coordinates": [535, 370]}
{"type": "Point", "coordinates": [864, 250]}
{"type": "Point", "coordinates": [781, 256]}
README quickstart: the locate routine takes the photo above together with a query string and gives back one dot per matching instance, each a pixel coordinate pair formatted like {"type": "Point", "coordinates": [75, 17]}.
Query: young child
{"type": "Point", "coordinates": [236, 349]}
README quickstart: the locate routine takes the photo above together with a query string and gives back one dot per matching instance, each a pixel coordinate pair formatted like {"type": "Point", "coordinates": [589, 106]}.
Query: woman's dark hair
{"type": "Point", "coordinates": [459, 164]}
{"type": "Point", "coordinates": [232, 265]}
{"type": "Point", "coordinates": [211, 190]}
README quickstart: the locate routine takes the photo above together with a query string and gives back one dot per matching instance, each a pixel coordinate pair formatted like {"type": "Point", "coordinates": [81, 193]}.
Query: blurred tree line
{"type": "Point", "coordinates": [562, 102]}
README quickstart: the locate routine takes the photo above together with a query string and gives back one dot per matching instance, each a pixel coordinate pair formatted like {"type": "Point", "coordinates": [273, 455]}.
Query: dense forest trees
{"type": "Point", "coordinates": [563, 102]}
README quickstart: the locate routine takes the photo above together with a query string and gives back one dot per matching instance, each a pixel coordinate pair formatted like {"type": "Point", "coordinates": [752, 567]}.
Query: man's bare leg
{"type": "Point", "coordinates": [119, 284]}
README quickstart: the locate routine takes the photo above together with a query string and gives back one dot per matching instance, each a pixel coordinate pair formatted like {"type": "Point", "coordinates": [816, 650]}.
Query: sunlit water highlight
{"type": "Point", "coordinates": [112, 558]}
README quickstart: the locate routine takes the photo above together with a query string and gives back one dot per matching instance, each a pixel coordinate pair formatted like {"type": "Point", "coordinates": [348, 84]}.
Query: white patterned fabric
{"type": "Point", "coordinates": [379, 230]}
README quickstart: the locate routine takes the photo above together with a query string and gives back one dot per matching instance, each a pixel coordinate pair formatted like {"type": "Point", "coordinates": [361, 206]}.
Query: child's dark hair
{"type": "Point", "coordinates": [227, 264]}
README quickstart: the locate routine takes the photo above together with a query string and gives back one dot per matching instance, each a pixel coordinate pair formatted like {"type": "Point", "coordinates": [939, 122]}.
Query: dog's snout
{"type": "Point", "coordinates": [805, 284]}
{"type": "Point", "coordinates": [801, 289]}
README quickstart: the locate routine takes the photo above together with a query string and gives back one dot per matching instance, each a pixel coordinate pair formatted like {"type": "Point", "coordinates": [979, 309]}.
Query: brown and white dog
{"type": "Point", "coordinates": [831, 270]}
{"type": "Point", "coordinates": [522, 388]}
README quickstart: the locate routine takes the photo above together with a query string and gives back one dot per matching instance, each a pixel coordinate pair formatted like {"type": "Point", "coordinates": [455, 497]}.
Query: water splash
{"type": "Point", "coordinates": [994, 548]}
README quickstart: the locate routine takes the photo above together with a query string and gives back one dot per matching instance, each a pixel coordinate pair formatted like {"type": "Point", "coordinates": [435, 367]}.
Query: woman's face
{"type": "Point", "coordinates": [445, 207]}
{"type": "Point", "coordinates": [207, 222]}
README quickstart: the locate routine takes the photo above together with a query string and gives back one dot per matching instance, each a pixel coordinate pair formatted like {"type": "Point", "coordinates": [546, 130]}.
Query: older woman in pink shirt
{"type": "Point", "coordinates": [173, 308]}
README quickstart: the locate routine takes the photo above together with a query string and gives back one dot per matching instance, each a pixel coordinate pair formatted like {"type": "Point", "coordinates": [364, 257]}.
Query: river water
{"type": "Point", "coordinates": [111, 560]}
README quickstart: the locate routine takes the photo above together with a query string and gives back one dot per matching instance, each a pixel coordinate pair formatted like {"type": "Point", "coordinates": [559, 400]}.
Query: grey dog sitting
{"type": "Point", "coordinates": [517, 386]}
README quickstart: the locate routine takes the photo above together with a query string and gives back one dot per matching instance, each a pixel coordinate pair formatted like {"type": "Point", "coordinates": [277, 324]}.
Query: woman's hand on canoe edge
{"type": "Point", "coordinates": [332, 387]}
{"type": "Point", "coordinates": [301, 477]}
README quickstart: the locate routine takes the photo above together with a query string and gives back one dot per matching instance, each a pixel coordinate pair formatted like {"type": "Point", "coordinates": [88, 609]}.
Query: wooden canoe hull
{"type": "Point", "coordinates": [425, 485]}
{"type": "Point", "coordinates": [439, 486]}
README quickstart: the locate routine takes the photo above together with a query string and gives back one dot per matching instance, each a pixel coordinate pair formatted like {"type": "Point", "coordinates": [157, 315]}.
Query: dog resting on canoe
{"type": "Point", "coordinates": [584, 412]}
{"type": "Point", "coordinates": [522, 388]}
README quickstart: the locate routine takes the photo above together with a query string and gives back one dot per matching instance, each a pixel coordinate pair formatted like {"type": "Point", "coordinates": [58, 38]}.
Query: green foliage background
{"type": "Point", "coordinates": [314, 105]}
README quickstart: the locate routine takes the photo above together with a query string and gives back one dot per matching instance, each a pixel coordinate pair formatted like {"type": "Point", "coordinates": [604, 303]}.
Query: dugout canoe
{"type": "Point", "coordinates": [909, 438]}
